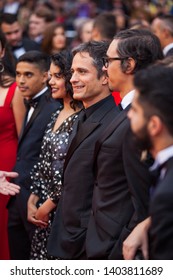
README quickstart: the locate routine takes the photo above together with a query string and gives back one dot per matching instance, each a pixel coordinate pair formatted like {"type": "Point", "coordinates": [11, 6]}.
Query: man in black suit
{"type": "Point", "coordinates": [162, 27]}
{"type": "Point", "coordinates": [90, 85]}
{"type": "Point", "coordinates": [13, 32]}
{"type": "Point", "coordinates": [152, 122]}
{"type": "Point", "coordinates": [121, 190]}
{"type": "Point", "coordinates": [31, 77]}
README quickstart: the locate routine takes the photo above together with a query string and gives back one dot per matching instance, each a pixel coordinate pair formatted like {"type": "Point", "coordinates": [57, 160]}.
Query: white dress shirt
{"type": "Point", "coordinates": [127, 99]}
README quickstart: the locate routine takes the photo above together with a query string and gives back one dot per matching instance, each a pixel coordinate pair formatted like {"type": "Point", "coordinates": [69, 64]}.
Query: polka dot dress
{"type": "Point", "coordinates": [46, 177]}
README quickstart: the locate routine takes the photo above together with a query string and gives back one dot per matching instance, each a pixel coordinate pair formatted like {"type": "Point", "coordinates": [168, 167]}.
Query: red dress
{"type": "Point", "coordinates": [8, 150]}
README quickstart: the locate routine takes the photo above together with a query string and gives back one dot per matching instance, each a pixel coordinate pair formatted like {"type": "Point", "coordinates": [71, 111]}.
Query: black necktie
{"type": "Point", "coordinates": [120, 107]}
{"type": "Point", "coordinates": [155, 176]}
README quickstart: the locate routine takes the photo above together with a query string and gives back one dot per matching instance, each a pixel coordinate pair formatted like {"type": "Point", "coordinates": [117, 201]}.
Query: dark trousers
{"type": "Point", "coordinates": [20, 231]}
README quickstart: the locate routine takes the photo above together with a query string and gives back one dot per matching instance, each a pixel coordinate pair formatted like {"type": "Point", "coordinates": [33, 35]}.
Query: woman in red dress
{"type": "Point", "coordinates": [11, 117]}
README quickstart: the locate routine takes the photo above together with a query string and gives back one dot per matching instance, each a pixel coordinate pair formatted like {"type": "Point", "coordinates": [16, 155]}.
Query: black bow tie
{"type": "Point", "coordinates": [14, 48]}
{"type": "Point", "coordinates": [31, 102]}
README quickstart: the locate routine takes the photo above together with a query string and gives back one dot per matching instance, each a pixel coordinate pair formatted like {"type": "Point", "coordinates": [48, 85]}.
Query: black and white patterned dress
{"type": "Point", "coordinates": [46, 177]}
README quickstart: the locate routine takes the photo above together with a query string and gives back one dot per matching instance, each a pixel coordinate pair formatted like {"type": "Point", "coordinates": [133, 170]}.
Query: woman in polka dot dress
{"type": "Point", "coordinates": [46, 175]}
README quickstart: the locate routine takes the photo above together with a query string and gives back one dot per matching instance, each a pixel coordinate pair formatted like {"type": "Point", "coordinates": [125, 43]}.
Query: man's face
{"type": "Point", "coordinates": [30, 79]}
{"type": "Point", "coordinates": [116, 78]}
{"type": "Point", "coordinates": [86, 31]}
{"type": "Point", "coordinates": [13, 33]}
{"type": "Point", "coordinates": [36, 26]}
{"type": "Point", "coordinates": [139, 124]}
{"type": "Point", "coordinates": [86, 85]}
{"type": "Point", "coordinates": [158, 30]}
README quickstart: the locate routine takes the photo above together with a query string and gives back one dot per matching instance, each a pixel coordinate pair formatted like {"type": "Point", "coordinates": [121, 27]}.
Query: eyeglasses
{"type": "Point", "coordinates": [107, 60]}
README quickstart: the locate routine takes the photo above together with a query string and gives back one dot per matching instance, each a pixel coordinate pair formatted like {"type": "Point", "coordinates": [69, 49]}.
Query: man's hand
{"type": "Point", "coordinates": [6, 187]}
{"type": "Point", "coordinates": [138, 239]}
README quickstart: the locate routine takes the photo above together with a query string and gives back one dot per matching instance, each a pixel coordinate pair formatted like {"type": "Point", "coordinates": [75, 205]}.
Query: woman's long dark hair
{"type": "Point", "coordinates": [7, 77]}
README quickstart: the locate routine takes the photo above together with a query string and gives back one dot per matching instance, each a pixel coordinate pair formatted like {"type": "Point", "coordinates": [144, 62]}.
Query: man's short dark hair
{"type": "Point", "coordinates": [155, 85]}
{"type": "Point", "coordinates": [38, 58]}
{"type": "Point", "coordinates": [106, 24]}
{"type": "Point", "coordinates": [167, 22]}
{"type": "Point", "coordinates": [8, 18]}
{"type": "Point", "coordinates": [141, 45]}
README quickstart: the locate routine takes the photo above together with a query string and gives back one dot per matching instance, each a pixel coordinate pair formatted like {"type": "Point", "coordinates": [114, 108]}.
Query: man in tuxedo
{"type": "Point", "coordinates": [13, 32]}
{"type": "Point", "coordinates": [162, 27]}
{"type": "Point", "coordinates": [152, 122]}
{"type": "Point", "coordinates": [121, 189]}
{"type": "Point", "coordinates": [31, 77]}
{"type": "Point", "coordinates": [90, 85]}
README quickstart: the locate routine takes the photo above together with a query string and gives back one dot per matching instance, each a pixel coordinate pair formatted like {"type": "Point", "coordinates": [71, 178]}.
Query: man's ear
{"type": "Point", "coordinates": [155, 125]}
{"type": "Point", "coordinates": [128, 65]}
{"type": "Point", "coordinates": [45, 77]}
{"type": "Point", "coordinates": [104, 79]}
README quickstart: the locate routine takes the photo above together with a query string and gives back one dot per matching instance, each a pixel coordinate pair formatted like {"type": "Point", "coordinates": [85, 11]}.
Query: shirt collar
{"type": "Point", "coordinates": [127, 99]}
{"type": "Point", "coordinates": [90, 110]}
{"type": "Point", "coordinates": [40, 93]}
{"type": "Point", "coordinates": [167, 48]}
{"type": "Point", "coordinates": [162, 157]}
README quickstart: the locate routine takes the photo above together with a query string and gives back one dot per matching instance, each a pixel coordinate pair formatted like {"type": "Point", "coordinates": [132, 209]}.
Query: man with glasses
{"type": "Point", "coordinates": [121, 191]}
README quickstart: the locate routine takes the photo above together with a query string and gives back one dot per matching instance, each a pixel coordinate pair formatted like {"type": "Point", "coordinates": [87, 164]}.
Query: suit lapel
{"type": "Point", "coordinates": [33, 117]}
{"type": "Point", "coordinates": [113, 125]}
{"type": "Point", "coordinates": [92, 123]}
{"type": "Point", "coordinates": [85, 130]}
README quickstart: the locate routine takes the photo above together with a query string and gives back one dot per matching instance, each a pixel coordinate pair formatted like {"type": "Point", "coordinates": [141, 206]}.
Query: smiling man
{"type": "Point", "coordinates": [90, 85]}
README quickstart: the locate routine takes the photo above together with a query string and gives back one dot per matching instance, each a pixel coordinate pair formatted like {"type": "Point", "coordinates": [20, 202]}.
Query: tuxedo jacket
{"type": "Point", "coordinates": [67, 238]}
{"type": "Point", "coordinates": [30, 45]}
{"type": "Point", "coordinates": [29, 145]}
{"type": "Point", "coordinates": [27, 44]}
{"type": "Point", "coordinates": [161, 210]}
{"type": "Point", "coordinates": [121, 192]}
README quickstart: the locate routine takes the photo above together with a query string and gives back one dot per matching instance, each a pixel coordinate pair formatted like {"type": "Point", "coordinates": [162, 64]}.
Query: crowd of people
{"type": "Point", "coordinates": [85, 123]}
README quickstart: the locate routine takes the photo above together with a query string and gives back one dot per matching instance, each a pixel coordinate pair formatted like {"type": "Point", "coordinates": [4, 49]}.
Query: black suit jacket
{"type": "Point", "coordinates": [121, 192]}
{"type": "Point", "coordinates": [29, 146]}
{"type": "Point", "coordinates": [67, 238]}
{"type": "Point", "coordinates": [161, 210]}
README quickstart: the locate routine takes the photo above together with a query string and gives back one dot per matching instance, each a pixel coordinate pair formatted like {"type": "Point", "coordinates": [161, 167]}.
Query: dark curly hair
{"type": "Point", "coordinates": [63, 60]}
